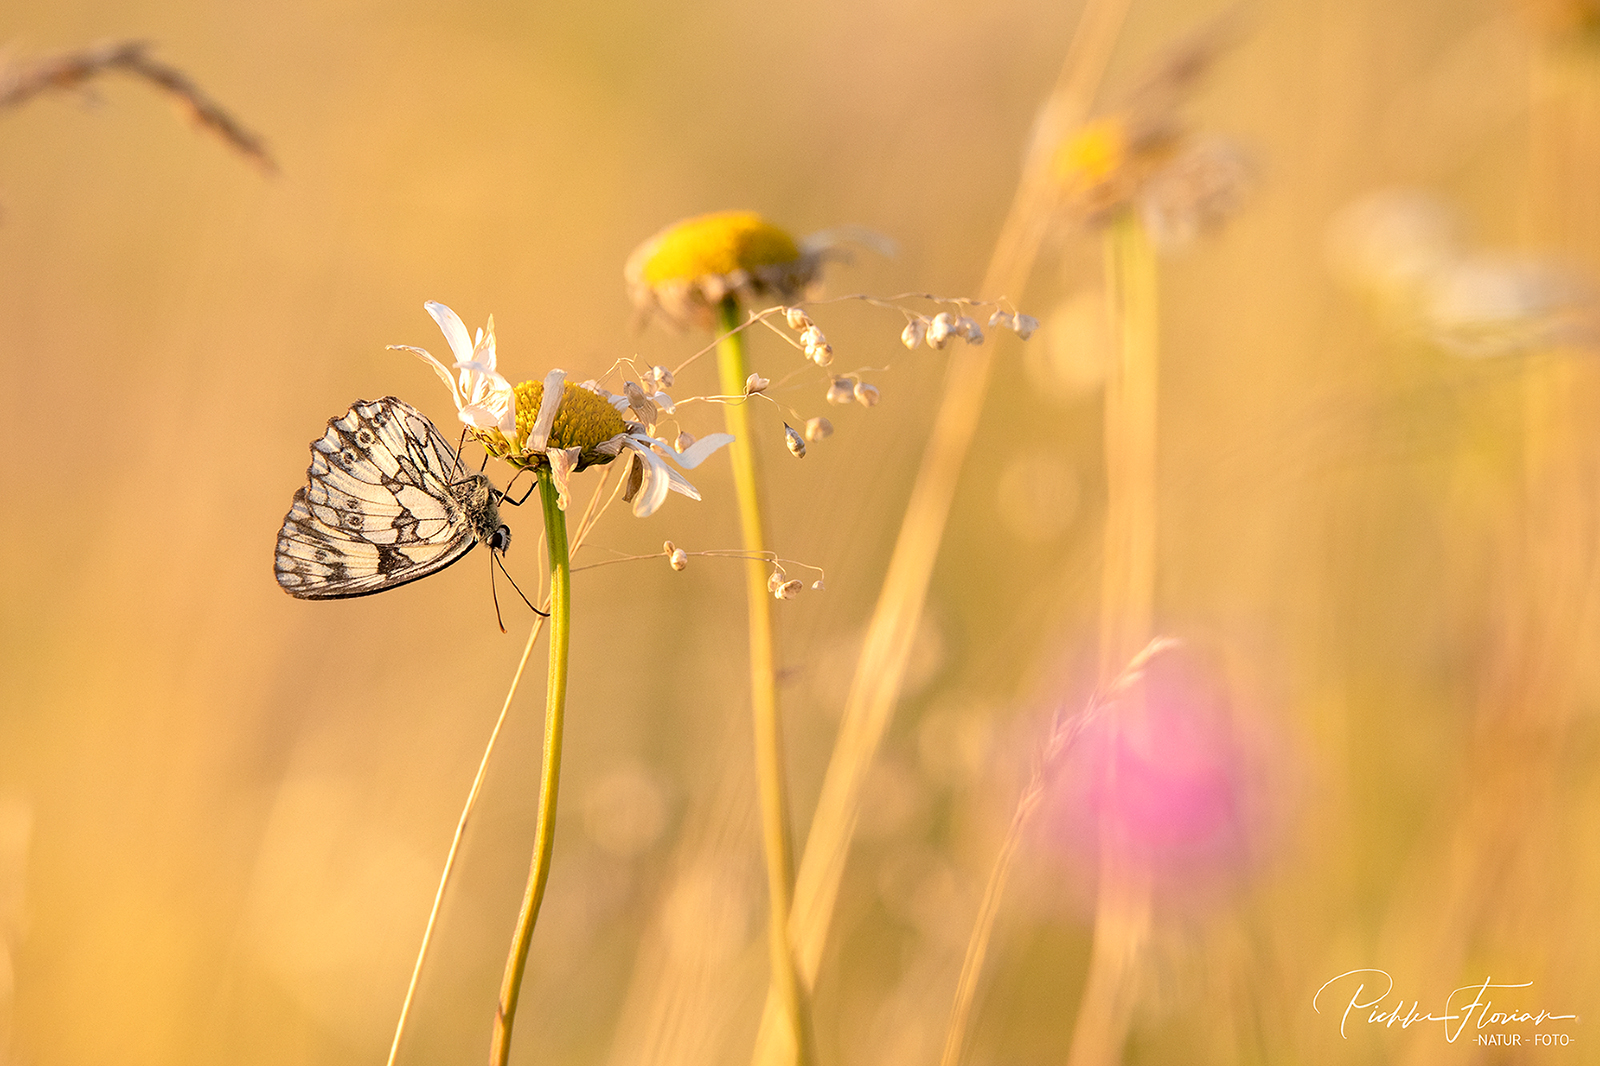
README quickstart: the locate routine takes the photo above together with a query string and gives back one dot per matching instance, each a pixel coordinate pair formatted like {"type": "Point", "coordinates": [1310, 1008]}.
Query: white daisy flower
{"type": "Point", "coordinates": [482, 397]}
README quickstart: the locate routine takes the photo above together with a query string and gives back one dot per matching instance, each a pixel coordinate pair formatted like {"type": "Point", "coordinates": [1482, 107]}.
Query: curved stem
{"type": "Point", "coordinates": [555, 526]}
{"type": "Point", "coordinates": [733, 369]}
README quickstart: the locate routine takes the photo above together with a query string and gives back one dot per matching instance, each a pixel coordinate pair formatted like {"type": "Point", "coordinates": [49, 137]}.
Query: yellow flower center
{"type": "Point", "coordinates": [584, 419]}
{"type": "Point", "coordinates": [719, 243]}
{"type": "Point", "coordinates": [1092, 154]}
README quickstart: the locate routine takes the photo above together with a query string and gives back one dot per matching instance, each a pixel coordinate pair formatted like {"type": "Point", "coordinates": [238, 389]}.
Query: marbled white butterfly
{"type": "Point", "coordinates": [386, 502]}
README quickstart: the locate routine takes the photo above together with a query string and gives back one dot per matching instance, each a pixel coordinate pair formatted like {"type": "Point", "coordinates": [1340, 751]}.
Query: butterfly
{"type": "Point", "coordinates": [386, 502]}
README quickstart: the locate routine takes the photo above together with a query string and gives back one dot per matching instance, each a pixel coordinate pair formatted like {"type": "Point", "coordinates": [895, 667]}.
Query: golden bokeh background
{"type": "Point", "coordinates": [222, 811]}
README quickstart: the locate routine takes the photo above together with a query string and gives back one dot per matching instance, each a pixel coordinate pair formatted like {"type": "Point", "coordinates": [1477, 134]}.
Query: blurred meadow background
{"type": "Point", "coordinates": [223, 810]}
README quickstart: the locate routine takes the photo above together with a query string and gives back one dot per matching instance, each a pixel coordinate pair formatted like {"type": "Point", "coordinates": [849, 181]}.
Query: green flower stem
{"type": "Point", "coordinates": [734, 369]}
{"type": "Point", "coordinates": [555, 528]}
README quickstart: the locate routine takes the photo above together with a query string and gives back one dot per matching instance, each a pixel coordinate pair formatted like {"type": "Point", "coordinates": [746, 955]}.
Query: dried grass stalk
{"type": "Point", "coordinates": [73, 70]}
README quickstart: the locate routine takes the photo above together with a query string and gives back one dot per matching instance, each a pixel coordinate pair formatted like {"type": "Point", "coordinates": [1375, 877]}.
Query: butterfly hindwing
{"type": "Point", "coordinates": [385, 503]}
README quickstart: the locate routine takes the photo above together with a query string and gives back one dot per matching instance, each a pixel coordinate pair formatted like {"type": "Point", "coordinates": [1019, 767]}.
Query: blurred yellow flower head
{"type": "Point", "coordinates": [1091, 155]}
{"type": "Point", "coordinates": [690, 267]}
{"type": "Point", "coordinates": [1105, 164]}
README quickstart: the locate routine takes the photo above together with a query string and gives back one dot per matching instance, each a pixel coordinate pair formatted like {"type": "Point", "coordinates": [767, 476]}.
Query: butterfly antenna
{"type": "Point", "coordinates": [503, 570]}
{"type": "Point", "coordinates": [496, 595]}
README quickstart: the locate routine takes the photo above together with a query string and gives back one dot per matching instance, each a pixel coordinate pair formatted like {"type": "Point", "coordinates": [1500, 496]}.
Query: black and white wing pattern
{"type": "Point", "coordinates": [386, 502]}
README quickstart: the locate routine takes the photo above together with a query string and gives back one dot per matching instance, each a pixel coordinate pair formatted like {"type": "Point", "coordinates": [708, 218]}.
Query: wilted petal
{"type": "Point", "coordinates": [657, 479]}
{"type": "Point", "coordinates": [562, 463]}
{"type": "Point", "coordinates": [632, 478]}
{"type": "Point", "coordinates": [700, 450]}
{"type": "Point", "coordinates": [483, 351]}
{"type": "Point", "coordinates": [480, 417]}
{"type": "Point", "coordinates": [641, 404]}
{"type": "Point", "coordinates": [549, 403]}
{"type": "Point", "coordinates": [680, 484]}
{"type": "Point", "coordinates": [454, 330]}
{"type": "Point", "coordinates": [438, 368]}
{"type": "Point", "coordinates": [482, 387]}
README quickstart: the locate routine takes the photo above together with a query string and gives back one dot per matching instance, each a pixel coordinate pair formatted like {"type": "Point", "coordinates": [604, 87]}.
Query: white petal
{"type": "Point", "coordinates": [454, 331]}
{"type": "Point", "coordinates": [549, 403]}
{"type": "Point", "coordinates": [482, 385]}
{"type": "Point", "coordinates": [700, 450]}
{"type": "Point", "coordinates": [678, 483]}
{"type": "Point", "coordinates": [438, 368]}
{"type": "Point", "coordinates": [483, 351]}
{"type": "Point", "coordinates": [562, 461]}
{"type": "Point", "coordinates": [663, 401]}
{"type": "Point", "coordinates": [480, 417]}
{"type": "Point", "coordinates": [657, 479]}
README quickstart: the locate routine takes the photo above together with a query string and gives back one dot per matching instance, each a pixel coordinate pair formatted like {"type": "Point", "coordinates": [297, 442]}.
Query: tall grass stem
{"type": "Point", "coordinates": [733, 368]}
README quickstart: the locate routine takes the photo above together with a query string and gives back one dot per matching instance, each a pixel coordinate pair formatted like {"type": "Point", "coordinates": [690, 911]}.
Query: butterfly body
{"type": "Point", "coordinates": [385, 503]}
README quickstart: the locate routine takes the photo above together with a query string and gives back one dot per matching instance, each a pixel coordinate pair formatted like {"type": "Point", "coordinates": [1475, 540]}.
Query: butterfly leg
{"type": "Point", "coordinates": [505, 497]}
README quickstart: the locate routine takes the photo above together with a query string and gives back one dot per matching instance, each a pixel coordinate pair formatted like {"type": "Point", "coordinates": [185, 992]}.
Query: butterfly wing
{"type": "Point", "coordinates": [377, 510]}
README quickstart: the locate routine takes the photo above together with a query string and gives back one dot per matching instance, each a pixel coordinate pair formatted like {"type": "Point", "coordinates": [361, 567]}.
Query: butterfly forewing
{"type": "Point", "coordinates": [385, 503]}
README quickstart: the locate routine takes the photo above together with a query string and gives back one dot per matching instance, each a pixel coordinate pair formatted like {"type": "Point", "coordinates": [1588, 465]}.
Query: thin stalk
{"type": "Point", "coordinates": [1127, 598]}
{"type": "Point", "coordinates": [456, 840]}
{"type": "Point", "coordinates": [983, 928]}
{"type": "Point", "coordinates": [1062, 737]}
{"type": "Point", "coordinates": [555, 527]}
{"type": "Point", "coordinates": [881, 668]}
{"type": "Point", "coordinates": [733, 369]}
{"type": "Point", "coordinates": [471, 804]}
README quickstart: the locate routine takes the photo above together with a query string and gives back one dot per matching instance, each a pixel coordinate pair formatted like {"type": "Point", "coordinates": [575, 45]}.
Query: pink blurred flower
{"type": "Point", "coordinates": [1160, 773]}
